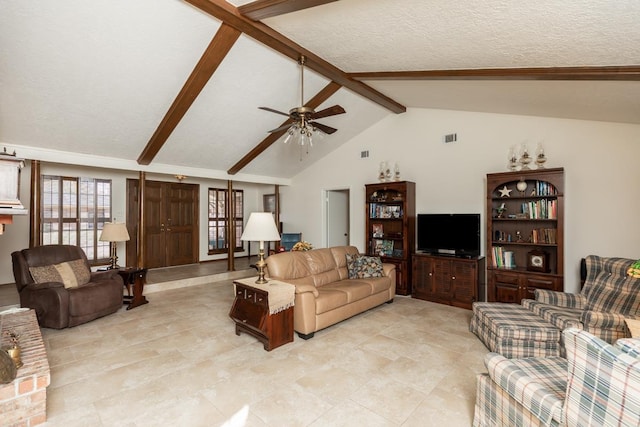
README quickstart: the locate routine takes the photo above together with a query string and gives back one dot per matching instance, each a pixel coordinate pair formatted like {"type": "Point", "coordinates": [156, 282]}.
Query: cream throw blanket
{"type": "Point", "coordinates": [281, 294]}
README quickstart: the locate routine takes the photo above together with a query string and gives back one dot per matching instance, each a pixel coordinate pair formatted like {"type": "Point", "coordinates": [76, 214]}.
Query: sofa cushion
{"type": "Point", "coordinates": [71, 273]}
{"type": "Point", "coordinates": [354, 289]}
{"type": "Point", "coordinates": [560, 317]}
{"type": "Point", "coordinates": [537, 383]}
{"type": "Point", "coordinates": [616, 294]}
{"type": "Point", "coordinates": [330, 298]}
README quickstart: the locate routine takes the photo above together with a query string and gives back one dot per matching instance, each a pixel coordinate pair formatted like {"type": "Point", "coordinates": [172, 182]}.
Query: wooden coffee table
{"type": "Point", "coordinates": [250, 312]}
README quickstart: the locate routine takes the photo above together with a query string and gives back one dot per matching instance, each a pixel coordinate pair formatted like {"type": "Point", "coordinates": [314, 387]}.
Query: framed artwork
{"type": "Point", "coordinates": [377, 230]}
{"type": "Point", "coordinates": [269, 203]}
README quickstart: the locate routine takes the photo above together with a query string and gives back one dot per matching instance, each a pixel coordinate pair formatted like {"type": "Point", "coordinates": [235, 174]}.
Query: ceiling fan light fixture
{"type": "Point", "coordinates": [303, 126]}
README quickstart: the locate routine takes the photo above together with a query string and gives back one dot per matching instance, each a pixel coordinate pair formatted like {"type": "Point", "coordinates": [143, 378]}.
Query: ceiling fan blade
{"type": "Point", "coordinates": [273, 111]}
{"type": "Point", "coordinates": [324, 128]}
{"type": "Point", "coordinates": [283, 127]}
{"type": "Point", "coordinates": [331, 111]}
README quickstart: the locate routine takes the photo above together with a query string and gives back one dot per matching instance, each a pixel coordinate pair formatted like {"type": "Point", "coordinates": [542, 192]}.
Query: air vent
{"type": "Point", "coordinates": [452, 137]}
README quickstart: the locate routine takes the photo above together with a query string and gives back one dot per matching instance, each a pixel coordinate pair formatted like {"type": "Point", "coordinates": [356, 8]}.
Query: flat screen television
{"type": "Point", "coordinates": [449, 234]}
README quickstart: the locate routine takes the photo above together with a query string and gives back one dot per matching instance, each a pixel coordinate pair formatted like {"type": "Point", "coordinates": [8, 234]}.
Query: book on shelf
{"type": "Point", "coordinates": [540, 209]}
{"type": "Point", "coordinates": [503, 258]}
{"type": "Point", "coordinates": [377, 210]}
{"type": "Point", "coordinates": [544, 188]}
{"type": "Point", "coordinates": [543, 235]}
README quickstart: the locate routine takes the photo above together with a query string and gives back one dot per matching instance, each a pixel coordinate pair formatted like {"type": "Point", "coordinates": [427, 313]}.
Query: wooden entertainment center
{"type": "Point", "coordinates": [448, 280]}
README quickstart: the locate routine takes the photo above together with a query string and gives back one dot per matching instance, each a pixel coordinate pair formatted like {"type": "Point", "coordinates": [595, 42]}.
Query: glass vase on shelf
{"type": "Point", "coordinates": [387, 172]}
{"type": "Point", "coordinates": [381, 172]}
{"type": "Point", "coordinates": [396, 172]}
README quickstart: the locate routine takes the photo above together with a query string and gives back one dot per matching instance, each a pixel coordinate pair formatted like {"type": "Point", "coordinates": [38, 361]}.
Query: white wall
{"type": "Point", "coordinates": [600, 161]}
{"type": "Point", "coordinates": [16, 235]}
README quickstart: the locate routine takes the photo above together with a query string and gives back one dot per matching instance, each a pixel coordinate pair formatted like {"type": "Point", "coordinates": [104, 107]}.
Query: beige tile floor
{"type": "Point", "coordinates": [177, 361]}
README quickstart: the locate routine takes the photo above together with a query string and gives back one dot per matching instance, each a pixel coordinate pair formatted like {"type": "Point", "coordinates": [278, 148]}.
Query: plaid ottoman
{"type": "Point", "coordinates": [513, 331]}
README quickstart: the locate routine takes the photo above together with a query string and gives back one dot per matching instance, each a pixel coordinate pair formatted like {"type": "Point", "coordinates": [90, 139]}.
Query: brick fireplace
{"type": "Point", "coordinates": [23, 402]}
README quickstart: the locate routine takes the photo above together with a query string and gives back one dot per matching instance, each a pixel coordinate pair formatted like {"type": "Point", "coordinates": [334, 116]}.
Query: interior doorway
{"type": "Point", "coordinates": [337, 217]}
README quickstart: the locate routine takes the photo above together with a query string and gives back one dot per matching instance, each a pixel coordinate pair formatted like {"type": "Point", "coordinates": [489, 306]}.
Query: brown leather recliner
{"type": "Point", "coordinates": [56, 306]}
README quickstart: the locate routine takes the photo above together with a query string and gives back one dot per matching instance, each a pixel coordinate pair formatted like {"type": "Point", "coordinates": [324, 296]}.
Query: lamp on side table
{"type": "Point", "coordinates": [261, 227]}
{"type": "Point", "coordinates": [114, 232]}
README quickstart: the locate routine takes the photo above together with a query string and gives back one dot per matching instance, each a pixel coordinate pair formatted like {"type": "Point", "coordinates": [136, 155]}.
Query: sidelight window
{"type": "Point", "coordinates": [221, 208]}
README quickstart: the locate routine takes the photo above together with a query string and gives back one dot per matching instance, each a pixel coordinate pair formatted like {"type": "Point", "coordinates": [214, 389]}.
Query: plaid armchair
{"type": "Point", "coordinates": [608, 297]}
{"type": "Point", "coordinates": [597, 385]}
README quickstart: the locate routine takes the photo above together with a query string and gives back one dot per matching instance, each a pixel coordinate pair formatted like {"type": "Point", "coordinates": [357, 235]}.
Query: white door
{"type": "Point", "coordinates": [337, 218]}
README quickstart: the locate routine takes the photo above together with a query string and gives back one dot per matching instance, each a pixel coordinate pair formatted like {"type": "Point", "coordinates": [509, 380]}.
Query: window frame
{"type": "Point", "coordinates": [220, 219]}
{"type": "Point", "coordinates": [77, 215]}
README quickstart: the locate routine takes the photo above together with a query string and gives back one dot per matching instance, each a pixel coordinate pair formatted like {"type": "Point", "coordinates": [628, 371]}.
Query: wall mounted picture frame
{"type": "Point", "coordinates": [269, 203]}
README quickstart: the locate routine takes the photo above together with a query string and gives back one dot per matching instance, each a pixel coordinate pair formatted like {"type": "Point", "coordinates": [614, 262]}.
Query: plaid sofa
{"type": "Point", "coordinates": [598, 384]}
{"type": "Point", "coordinates": [608, 296]}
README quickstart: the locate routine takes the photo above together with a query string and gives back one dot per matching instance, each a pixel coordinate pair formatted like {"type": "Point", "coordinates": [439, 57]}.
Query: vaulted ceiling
{"type": "Point", "coordinates": [177, 84]}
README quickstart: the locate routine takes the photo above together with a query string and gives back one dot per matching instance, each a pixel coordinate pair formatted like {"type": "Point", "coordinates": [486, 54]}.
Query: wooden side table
{"type": "Point", "coordinates": [250, 312]}
{"type": "Point", "coordinates": [136, 277]}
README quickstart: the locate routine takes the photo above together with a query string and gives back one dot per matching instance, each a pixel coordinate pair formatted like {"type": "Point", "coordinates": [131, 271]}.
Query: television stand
{"type": "Point", "coordinates": [448, 279]}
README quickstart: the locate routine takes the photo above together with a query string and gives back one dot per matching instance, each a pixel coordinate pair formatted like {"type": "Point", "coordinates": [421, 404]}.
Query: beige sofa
{"type": "Point", "coordinates": [324, 293]}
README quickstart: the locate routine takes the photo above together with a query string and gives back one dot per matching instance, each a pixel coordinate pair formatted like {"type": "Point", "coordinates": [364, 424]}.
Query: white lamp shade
{"type": "Point", "coordinates": [114, 232]}
{"type": "Point", "coordinates": [261, 227]}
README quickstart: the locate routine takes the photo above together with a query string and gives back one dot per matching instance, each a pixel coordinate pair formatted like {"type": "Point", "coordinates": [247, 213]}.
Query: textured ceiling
{"type": "Point", "coordinates": [98, 77]}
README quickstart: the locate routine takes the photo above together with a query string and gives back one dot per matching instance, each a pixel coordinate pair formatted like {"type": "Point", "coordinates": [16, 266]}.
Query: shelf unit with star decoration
{"type": "Point", "coordinates": [525, 233]}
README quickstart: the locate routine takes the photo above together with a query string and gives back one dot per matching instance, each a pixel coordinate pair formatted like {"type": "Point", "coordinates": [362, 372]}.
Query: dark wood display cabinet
{"type": "Point", "coordinates": [448, 280]}
{"type": "Point", "coordinates": [391, 227]}
{"type": "Point", "coordinates": [525, 233]}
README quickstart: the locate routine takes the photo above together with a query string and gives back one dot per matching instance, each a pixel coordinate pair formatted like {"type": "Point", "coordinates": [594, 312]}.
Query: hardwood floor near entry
{"type": "Point", "coordinates": [171, 223]}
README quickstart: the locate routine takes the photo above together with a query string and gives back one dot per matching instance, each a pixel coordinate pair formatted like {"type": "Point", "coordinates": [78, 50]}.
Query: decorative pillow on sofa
{"type": "Point", "coordinates": [368, 267]}
{"type": "Point", "coordinates": [352, 265]}
{"type": "Point", "coordinates": [71, 274]}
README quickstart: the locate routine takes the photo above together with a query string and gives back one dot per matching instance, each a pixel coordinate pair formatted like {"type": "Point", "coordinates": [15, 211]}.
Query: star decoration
{"type": "Point", "coordinates": [505, 192]}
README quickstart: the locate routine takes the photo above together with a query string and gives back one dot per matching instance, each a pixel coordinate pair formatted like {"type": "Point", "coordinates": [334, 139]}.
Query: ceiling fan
{"type": "Point", "coordinates": [304, 125]}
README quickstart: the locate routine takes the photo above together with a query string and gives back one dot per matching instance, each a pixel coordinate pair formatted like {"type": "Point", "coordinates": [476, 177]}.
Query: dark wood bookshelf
{"type": "Point", "coordinates": [512, 284]}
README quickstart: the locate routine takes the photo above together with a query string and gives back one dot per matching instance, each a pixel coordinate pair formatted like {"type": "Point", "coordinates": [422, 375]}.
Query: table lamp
{"type": "Point", "coordinates": [114, 232]}
{"type": "Point", "coordinates": [261, 227]}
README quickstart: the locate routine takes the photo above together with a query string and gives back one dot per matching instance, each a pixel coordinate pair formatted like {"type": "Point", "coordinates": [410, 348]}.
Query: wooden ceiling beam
{"type": "Point", "coordinates": [314, 103]}
{"type": "Point", "coordinates": [228, 14]}
{"type": "Point", "coordinates": [262, 9]}
{"type": "Point", "coordinates": [631, 72]}
{"type": "Point", "coordinates": [212, 57]}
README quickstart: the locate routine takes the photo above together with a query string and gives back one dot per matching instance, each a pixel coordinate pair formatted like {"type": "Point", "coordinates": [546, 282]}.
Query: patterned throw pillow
{"type": "Point", "coordinates": [368, 267]}
{"type": "Point", "coordinates": [71, 274]}
{"type": "Point", "coordinates": [352, 265]}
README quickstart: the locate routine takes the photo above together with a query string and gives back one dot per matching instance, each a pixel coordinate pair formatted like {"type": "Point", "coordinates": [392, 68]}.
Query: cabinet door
{"type": "Point", "coordinates": [442, 273]}
{"type": "Point", "coordinates": [402, 287]}
{"type": "Point", "coordinates": [422, 277]}
{"type": "Point", "coordinates": [504, 287]}
{"type": "Point", "coordinates": [464, 283]}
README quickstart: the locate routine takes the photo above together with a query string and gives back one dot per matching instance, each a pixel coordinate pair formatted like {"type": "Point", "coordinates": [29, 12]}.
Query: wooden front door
{"type": "Point", "coordinates": [171, 223]}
